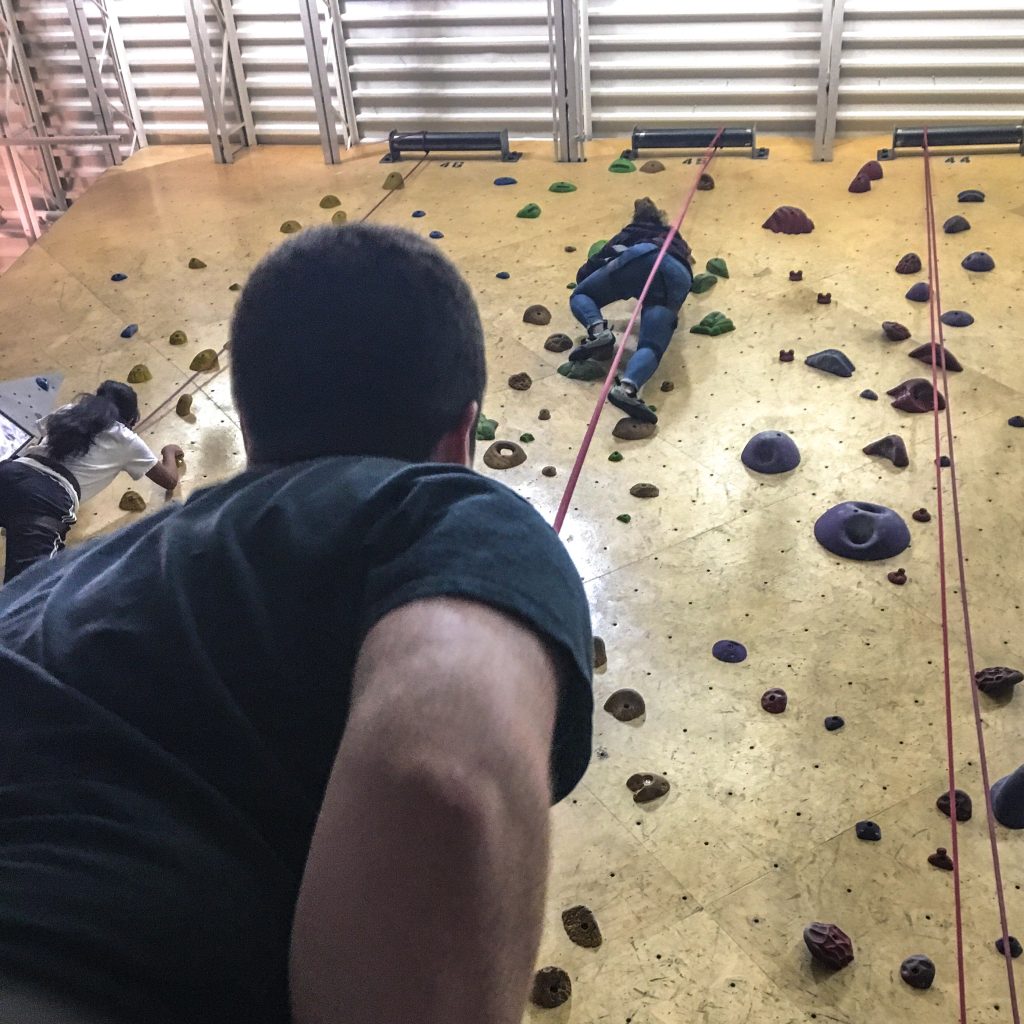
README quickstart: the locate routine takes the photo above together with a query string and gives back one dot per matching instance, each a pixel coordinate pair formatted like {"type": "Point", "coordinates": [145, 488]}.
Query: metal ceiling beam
{"type": "Point", "coordinates": [832, 12]}
{"type": "Point", "coordinates": [569, 47]}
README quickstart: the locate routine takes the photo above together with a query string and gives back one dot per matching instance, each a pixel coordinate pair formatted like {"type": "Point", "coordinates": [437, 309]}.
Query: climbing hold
{"type": "Point", "coordinates": [919, 292]}
{"type": "Point", "coordinates": [1008, 799]}
{"type": "Point", "coordinates": [624, 518]}
{"type": "Point", "coordinates": [42, 383]}
{"type": "Point", "coordinates": [860, 183]}
{"type": "Point", "coordinates": [205, 360]}
{"type": "Point", "coordinates": [824, 298]}
{"type": "Point", "coordinates": [179, 338]}
{"type": "Point", "coordinates": [561, 186]}
{"type": "Point", "coordinates": [132, 501]}
{"type": "Point", "coordinates": [394, 181]}
{"type": "Point", "coordinates": [834, 723]}
{"type": "Point", "coordinates": [894, 331]}
{"type": "Point", "coordinates": [731, 651]}
{"type": "Point", "coordinates": [916, 395]}
{"type": "Point", "coordinates": [558, 343]}
{"type": "Point", "coordinates": [621, 166]}
{"type": "Point", "coordinates": [119, 277]}
{"type": "Point", "coordinates": [921, 515]}
{"type": "Point", "coordinates": [944, 461]}
{"type": "Point", "coordinates": [526, 438]}
{"type": "Point", "coordinates": [925, 355]}
{"type": "Point", "coordinates": [502, 275]}
{"type": "Point", "coordinates": [647, 786]}
{"type": "Point", "coordinates": [703, 283]}
{"type": "Point", "coordinates": [587, 369]}
{"type": "Point", "coordinates": [581, 927]}
{"type": "Point", "coordinates": [644, 491]}
{"type": "Point", "coordinates": [596, 248]}
{"type": "Point", "coordinates": [705, 183]}
{"type": "Point", "coordinates": [531, 211]}
{"type": "Point", "coordinates": [771, 451]}
{"type": "Point", "coordinates": [537, 315]}
{"type": "Point", "coordinates": [625, 705]}
{"type": "Point", "coordinates": [437, 234]}
{"type": "Point", "coordinates": [505, 181]}
{"type": "Point", "coordinates": [713, 324]}
{"type": "Point", "coordinates": [629, 429]}
{"type": "Point", "coordinates": [340, 217]}
{"type": "Point", "coordinates": [717, 267]}
{"type": "Point", "coordinates": [868, 831]}
{"type": "Point", "coordinates": [666, 386]}
{"type": "Point", "coordinates": [130, 331]}
{"type": "Point", "coordinates": [940, 859]}
{"type": "Point", "coordinates": [615, 457]}
{"type": "Point", "coordinates": [971, 195]}
{"type": "Point", "coordinates": [234, 287]}
{"type": "Point", "coordinates": [789, 220]}
{"type": "Point", "coordinates": [194, 264]}
{"type": "Point", "coordinates": [329, 202]}
{"type": "Point", "coordinates": [862, 531]}
{"type": "Point", "coordinates": [962, 802]}
{"type": "Point", "coordinates": [774, 701]}
{"type": "Point", "coordinates": [999, 681]}
{"type": "Point", "coordinates": [872, 170]}
{"type": "Point", "coordinates": [899, 577]}
{"type": "Point", "coordinates": [652, 167]}
{"type": "Point", "coordinates": [570, 248]}
{"type": "Point", "coordinates": [551, 988]}
{"type": "Point", "coordinates": [139, 374]}
{"type": "Point", "coordinates": [869, 395]}
{"type": "Point", "coordinates": [289, 227]}
{"type": "Point", "coordinates": [829, 945]}
{"type": "Point", "coordinates": [956, 224]}
{"type": "Point", "coordinates": [796, 275]}
{"type": "Point", "coordinates": [184, 406]}
{"type": "Point", "coordinates": [890, 447]}
{"type": "Point", "coordinates": [504, 455]}
{"type": "Point", "coordinates": [1015, 947]}
{"type": "Point", "coordinates": [831, 360]}
{"type": "Point", "coordinates": [485, 428]}
{"type": "Point", "coordinates": [419, 213]}
{"type": "Point", "coordinates": [918, 971]}
{"type": "Point", "coordinates": [909, 264]}
{"type": "Point", "coordinates": [979, 262]}
{"type": "Point", "coordinates": [544, 414]}
{"type": "Point", "coordinates": [1015, 421]}
{"type": "Point", "coordinates": [549, 471]}
{"type": "Point", "coordinates": [786, 355]}
{"type": "Point", "coordinates": [957, 318]}
{"type": "Point", "coordinates": [520, 382]}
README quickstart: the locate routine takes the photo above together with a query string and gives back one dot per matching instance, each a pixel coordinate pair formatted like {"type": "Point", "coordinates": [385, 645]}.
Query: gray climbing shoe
{"type": "Point", "coordinates": [600, 345]}
{"type": "Point", "coordinates": [623, 398]}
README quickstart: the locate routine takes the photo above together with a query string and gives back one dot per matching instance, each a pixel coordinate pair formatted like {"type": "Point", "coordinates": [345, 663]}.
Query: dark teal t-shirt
{"type": "Point", "coordinates": [173, 697]}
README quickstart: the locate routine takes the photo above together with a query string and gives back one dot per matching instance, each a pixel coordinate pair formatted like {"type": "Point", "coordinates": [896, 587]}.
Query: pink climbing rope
{"type": "Point", "coordinates": [938, 350]}
{"type": "Point", "coordinates": [577, 468]}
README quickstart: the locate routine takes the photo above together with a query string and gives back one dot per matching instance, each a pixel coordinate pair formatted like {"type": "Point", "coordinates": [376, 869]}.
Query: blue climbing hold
{"type": "Point", "coordinates": [868, 831]}
{"type": "Point", "coordinates": [130, 331]}
{"type": "Point", "coordinates": [119, 277]}
{"type": "Point", "coordinates": [957, 318]}
{"type": "Point", "coordinates": [43, 383]}
{"type": "Point", "coordinates": [729, 650]}
{"type": "Point", "coordinates": [419, 213]}
{"type": "Point", "coordinates": [831, 360]}
{"type": "Point", "coordinates": [919, 292]}
{"type": "Point", "coordinates": [771, 451]}
{"type": "Point", "coordinates": [437, 234]}
{"type": "Point", "coordinates": [869, 395]}
{"type": "Point", "coordinates": [502, 275]}
{"type": "Point", "coordinates": [862, 531]}
{"type": "Point", "coordinates": [834, 722]}
{"type": "Point", "coordinates": [505, 181]}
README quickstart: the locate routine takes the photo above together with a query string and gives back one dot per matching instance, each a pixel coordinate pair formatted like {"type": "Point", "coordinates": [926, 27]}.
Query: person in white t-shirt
{"type": "Point", "coordinates": [84, 447]}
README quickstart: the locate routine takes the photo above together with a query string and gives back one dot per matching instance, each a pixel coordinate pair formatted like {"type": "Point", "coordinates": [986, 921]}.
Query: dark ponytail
{"type": "Point", "coordinates": [70, 432]}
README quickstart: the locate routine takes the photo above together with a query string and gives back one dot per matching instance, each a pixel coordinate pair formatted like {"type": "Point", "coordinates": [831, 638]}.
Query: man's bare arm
{"type": "Point", "coordinates": [423, 893]}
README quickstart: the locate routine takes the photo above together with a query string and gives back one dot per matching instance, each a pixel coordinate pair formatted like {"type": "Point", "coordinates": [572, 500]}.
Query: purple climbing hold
{"type": "Point", "coordinates": [1008, 799]}
{"type": "Point", "coordinates": [119, 277]}
{"type": "Point", "coordinates": [916, 395]}
{"type": "Point", "coordinates": [834, 722]}
{"type": "Point", "coordinates": [437, 234]}
{"type": "Point", "coordinates": [869, 395]}
{"type": "Point", "coordinates": [925, 354]}
{"type": "Point", "coordinates": [1015, 421]}
{"type": "Point", "coordinates": [505, 181]}
{"type": "Point", "coordinates": [891, 447]}
{"type": "Point", "coordinates": [919, 292]}
{"type": "Point", "coordinates": [130, 331]}
{"type": "Point", "coordinates": [957, 318]}
{"type": "Point", "coordinates": [868, 831]}
{"type": "Point", "coordinates": [419, 213]}
{"type": "Point", "coordinates": [729, 650]}
{"type": "Point", "coordinates": [979, 262]}
{"type": "Point", "coordinates": [956, 224]}
{"type": "Point", "coordinates": [502, 275]}
{"type": "Point", "coordinates": [1015, 947]}
{"type": "Point", "coordinates": [862, 531]}
{"type": "Point", "coordinates": [831, 360]}
{"type": "Point", "coordinates": [771, 451]}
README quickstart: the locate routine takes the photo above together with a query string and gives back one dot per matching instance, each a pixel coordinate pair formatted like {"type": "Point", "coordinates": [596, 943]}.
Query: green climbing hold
{"type": "Point", "coordinates": [571, 286]}
{"type": "Point", "coordinates": [526, 438]}
{"type": "Point", "coordinates": [621, 166]}
{"type": "Point", "coordinates": [139, 374]}
{"type": "Point", "coordinates": [179, 338]}
{"type": "Point", "coordinates": [596, 248]}
{"type": "Point", "coordinates": [586, 369]}
{"type": "Point", "coordinates": [289, 227]}
{"type": "Point", "coordinates": [717, 267]}
{"type": "Point", "coordinates": [485, 428]}
{"type": "Point", "coordinates": [714, 323]}
{"type": "Point", "coordinates": [236, 287]}
{"type": "Point", "coordinates": [625, 518]}
{"type": "Point", "coordinates": [561, 186]}
{"type": "Point", "coordinates": [531, 211]}
{"type": "Point", "coordinates": [194, 264]}
{"type": "Point", "coordinates": [703, 283]}
{"type": "Point", "coordinates": [329, 202]}
{"type": "Point", "coordinates": [394, 181]}
{"type": "Point", "coordinates": [615, 457]}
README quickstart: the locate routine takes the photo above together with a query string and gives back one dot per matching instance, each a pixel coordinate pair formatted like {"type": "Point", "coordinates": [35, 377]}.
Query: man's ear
{"type": "Point", "coordinates": [457, 446]}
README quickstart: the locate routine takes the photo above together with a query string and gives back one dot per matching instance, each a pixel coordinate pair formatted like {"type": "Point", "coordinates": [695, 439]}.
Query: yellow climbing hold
{"type": "Point", "coordinates": [194, 264]}
{"type": "Point", "coordinates": [329, 202]}
{"type": "Point", "coordinates": [340, 217]}
{"type": "Point", "coordinates": [139, 374]}
{"type": "Point", "coordinates": [179, 338]}
{"type": "Point", "coordinates": [289, 227]}
{"type": "Point", "coordinates": [394, 181]}
{"type": "Point", "coordinates": [205, 360]}
{"type": "Point", "coordinates": [132, 501]}
{"type": "Point", "coordinates": [184, 406]}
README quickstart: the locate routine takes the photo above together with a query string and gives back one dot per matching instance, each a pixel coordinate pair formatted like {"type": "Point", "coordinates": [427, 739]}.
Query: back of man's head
{"type": "Point", "coordinates": [354, 340]}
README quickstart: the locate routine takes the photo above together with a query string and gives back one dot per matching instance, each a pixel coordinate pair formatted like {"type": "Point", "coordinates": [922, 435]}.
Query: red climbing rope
{"type": "Point", "coordinates": [939, 360]}
{"type": "Point", "coordinates": [570, 487]}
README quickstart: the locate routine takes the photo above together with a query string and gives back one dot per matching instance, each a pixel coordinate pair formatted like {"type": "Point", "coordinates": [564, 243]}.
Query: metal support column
{"type": "Point", "coordinates": [832, 12]}
{"type": "Point", "coordinates": [224, 92]}
{"type": "Point", "coordinates": [93, 74]}
{"type": "Point", "coordinates": [569, 49]}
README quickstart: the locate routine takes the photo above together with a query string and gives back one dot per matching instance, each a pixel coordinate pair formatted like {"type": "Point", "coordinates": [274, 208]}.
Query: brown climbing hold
{"type": "Point", "coordinates": [789, 220]}
{"type": "Point", "coordinates": [629, 429]}
{"type": "Point", "coordinates": [551, 988]}
{"type": "Point", "coordinates": [894, 331]}
{"type": "Point", "coordinates": [964, 807]}
{"type": "Point", "coordinates": [558, 343]}
{"type": "Point", "coordinates": [572, 248]}
{"type": "Point", "coordinates": [824, 298]}
{"type": "Point", "coordinates": [581, 927]}
{"type": "Point", "coordinates": [652, 167]}
{"type": "Point", "coordinates": [705, 183]}
{"type": "Point", "coordinates": [916, 395]}
{"type": "Point", "coordinates": [600, 653]}
{"type": "Point", "coordinates": [184, 406]}
{"type": "Point", "coordinates": [890, 447]}
{"type": "Point", "coordinates": [647, 786]}
{"type": "Point", "coordinates": [909, 264]}
{"type": "Point", "coordinates": [829, 945]}
{"type": "Point", "coordinates": [774, 701]}
{"type": "Point", "coordinates": [625, 705]}
{"type": "Point", "coordinates": [999, 681]}
{"type": "Point", "coordinates": [644, 491]}
{"type": "Point", "coordinates": [922, 515]}
{"type": "Point", "coordinates": [205, 360]}
{"type": "Point", "coordinates": [537, 315]}
{"type": "Point", "coordinates": [139, 374]}
{"type": "Point", "coordinates": [290, 227]}
{"type": "Point", "coordinates": [194, 264]}
{"type": "Point", "coordinates": [786, 355]}
{"type": "Point", "coordinates": [179, 338]}
{"type": "Point", "coordinates": [504, 455]}
{"type": "Point", "coordinates": [923, 353]}
{"type": "Point", "coordinates": [394, 181]}
{"type": "Point", "coordinates": [796, 275]}
{"type": "Point", "coordinates": [132, 501]}
{"type": "Point", "coordinates": [918, 971]}
{"type": "Point", "coordinates": [667, 385]}
{"type": "Point", "coordinates": [899, 577]}
{"type": "Point", "coordinates": [544, 414]}
{"type": "Point", "coordinates": [940, 859]}
{"type": "Point", "coordinates": [520, 382]}
{"type": "Point", "coordinates": [549, 471]}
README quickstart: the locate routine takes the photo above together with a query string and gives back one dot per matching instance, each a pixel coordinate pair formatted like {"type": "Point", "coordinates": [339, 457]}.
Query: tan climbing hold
{"type": "Point", "coordinates": [132, 501]}
{"type": "Point", "coordinates": [652, 167]}
{"type": "Point", "coordinates": [139, 374]}
{"type": "Point", "coordinates": [341, 217]}
{"type": "Point", "coordinates": [194, 264]}
{"type": "Point", "coordinates": [394, 181]}
{"type": "Point", "coordinates": [538, 315]}
{"type": "Point", "coordinates": [184, 406]}
{"type": "Point", "coordinates": [625, 705]}
{"type": "Point", "coordinates": [504, 455]}
{"type": "Point", "coordinates": [205, 360]}
{"type": "Point", "coordinates": [179, 338]}
{"type": "Point", "coordinates": [644, 491]}
{"type": "Point", "coordinates": [600, 653]}
{"type": "Point", "coordinates": [289, 227]}
{"type": "Point", "coordinates": [329, 202]}
{"type": "Point", "coordinates": [629, 429]}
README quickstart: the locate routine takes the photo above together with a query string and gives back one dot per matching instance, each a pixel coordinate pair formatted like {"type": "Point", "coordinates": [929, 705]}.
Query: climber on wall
{"type": "Point", "coordinates": [619, 271]}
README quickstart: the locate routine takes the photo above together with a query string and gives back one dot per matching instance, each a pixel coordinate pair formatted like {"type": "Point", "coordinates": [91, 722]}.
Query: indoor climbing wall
{"type": "Point", "coordinates": [777, 765]}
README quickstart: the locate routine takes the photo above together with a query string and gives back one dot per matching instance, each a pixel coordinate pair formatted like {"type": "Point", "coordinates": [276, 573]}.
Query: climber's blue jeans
{"type": "Point", "coordinates": [624, 278]}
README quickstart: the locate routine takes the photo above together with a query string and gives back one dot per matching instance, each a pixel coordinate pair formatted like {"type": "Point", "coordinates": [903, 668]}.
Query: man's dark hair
{"type": "Point", "coordinates": [354, 340]}
{"type": "Point", "coordinates": [646, 212]}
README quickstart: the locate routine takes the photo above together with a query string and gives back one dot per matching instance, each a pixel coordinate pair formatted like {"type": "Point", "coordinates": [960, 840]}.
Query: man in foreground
{"type": "Point", "coordinates": [285, 752]}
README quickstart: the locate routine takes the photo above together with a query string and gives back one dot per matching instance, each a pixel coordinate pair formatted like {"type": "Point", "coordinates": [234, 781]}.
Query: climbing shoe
{"type": "Point", "coordinates": [599, 345]}
{"type": "Point", "coordinates": [626, 399]}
